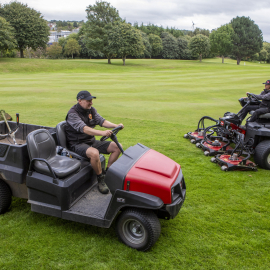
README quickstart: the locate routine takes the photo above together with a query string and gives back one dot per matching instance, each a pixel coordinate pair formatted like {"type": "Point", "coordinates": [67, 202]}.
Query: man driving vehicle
{"type": "Point", "coordinates": [81, 120]}
{"type": "Point", "coordinates": [263, 108]}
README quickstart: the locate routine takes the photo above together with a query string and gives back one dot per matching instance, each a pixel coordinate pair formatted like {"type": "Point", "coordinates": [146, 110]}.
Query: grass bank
{"type": "Point", "coordinates": [224, 223]}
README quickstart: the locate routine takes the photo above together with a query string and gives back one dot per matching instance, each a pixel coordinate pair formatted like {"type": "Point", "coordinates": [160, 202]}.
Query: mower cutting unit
{"type": "Point", "coordinates": [144, 184]}
{"type": "Point", "coordinates": [231, 145]}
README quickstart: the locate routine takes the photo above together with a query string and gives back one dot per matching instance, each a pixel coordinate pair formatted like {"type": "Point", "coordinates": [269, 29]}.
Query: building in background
{"type": "Point", "coordinates": [54, 35]}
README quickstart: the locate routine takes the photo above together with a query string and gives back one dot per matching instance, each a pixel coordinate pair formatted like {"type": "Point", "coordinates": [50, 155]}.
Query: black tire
{"type": "Point", "coordinates": [146, 224]}
{"type": "Point", "coordinates": [262, 154]}
{"type": "Point", "coordinates": [5, 197]}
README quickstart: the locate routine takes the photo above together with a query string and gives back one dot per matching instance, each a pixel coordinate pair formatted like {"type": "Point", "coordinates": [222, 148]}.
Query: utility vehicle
{"type": "Point", "coordinates": [144, 184]}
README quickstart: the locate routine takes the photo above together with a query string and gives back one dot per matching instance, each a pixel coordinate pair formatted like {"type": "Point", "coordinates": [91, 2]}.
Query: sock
{"type": "Point", "coordinates": [99, 176]}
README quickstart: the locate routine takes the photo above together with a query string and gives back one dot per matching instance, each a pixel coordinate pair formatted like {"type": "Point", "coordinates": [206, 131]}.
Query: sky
{"type": "Point", "coordinates": [208, 14]}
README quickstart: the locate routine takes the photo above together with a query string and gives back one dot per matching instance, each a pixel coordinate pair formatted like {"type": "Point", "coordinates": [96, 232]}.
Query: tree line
{"type": "Point", "coordinates": [106, 34]}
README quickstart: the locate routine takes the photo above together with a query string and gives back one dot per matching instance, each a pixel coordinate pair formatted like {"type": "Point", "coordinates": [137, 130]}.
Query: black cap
{"type": "Point", "coordinates": [267, 82]}
{"type": "Point", "coordinates": [84, 95]}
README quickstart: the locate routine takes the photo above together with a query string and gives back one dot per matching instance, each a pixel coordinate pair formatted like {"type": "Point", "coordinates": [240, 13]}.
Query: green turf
{"type": "Point", "coordinates": [224, 223]}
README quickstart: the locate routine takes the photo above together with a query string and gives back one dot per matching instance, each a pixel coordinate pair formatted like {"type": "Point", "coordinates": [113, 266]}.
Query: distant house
{"type": "Point", "coordinates": [52, 26]}
{"type": "Point", "coordinates": [54, 35]}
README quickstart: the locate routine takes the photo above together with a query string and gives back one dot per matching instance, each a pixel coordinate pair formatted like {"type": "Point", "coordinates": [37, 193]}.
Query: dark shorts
{"type": "Point", "coordinates": [80, 149]}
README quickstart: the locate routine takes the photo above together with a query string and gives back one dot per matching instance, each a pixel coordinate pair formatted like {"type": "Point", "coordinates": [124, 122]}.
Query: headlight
{"type": "Point", "coordinates": [172, 191]}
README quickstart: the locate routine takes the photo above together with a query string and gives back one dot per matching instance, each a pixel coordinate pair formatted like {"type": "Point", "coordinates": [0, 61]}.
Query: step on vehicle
{"type": "Point", "coordinates": [144, 184]}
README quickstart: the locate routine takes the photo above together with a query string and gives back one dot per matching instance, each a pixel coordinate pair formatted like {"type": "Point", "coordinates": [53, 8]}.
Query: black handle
{"type": "Point", "coordinates": [47, 163]}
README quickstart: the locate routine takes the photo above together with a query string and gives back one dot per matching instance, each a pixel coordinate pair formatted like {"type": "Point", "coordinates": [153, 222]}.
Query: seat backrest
{"type": "Point", "coordinates": [61, 134]}
{"type": "Point", "coordinates": [41, 144]}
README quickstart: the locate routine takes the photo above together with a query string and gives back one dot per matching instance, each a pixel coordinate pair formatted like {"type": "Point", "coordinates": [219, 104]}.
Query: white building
{"type": "Point", "coordinates": [54, 35]}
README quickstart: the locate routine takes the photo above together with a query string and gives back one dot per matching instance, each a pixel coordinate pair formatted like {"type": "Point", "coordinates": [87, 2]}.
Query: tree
{"type": "Point", "coordinates": [247, 38]}
{"type": "Point", "coordinates": [266, 46]}
{"type": "Point", "coordinates": [72, 47]}
{"type": "Point", "coordinates": [147, 45]}
{"type": "Point", "coordinates": [86, 52]}
{"type": "Point", "coordinates": [263, 55]}
{"type": "Point", "coordinates": [183, 48]}
{"type": "Point", "coordinates": [170, 47]}
{"type": "Point", "coordinates": [198, 31]}
{"type": "Point", "coordinates": [123, 40]}
{"type": "Point", "coordinates": [156, 44]}
{"type": "Point", "coordinates": [7, 41]}
{"type": "Point", "coordinates": [101, 19]}
{"type": "Point", "coordinates": [31, 29]}
{"type": "Point", "coordinates": [55, 50]}
{"type": "Point", "coordinates": [199, 46]}
{"type": "Point", "coordinates": [221, 40]}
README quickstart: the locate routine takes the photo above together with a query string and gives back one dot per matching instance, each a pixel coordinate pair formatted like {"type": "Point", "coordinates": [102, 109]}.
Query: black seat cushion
{"type": "Point", "coordinates": [62, 141]}
{"type": "Point", "coordinates": [41, 144]}
{"type": "Point", "coordinates": [263, 116]}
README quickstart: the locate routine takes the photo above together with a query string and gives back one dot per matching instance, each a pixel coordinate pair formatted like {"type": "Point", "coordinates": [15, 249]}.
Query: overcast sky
{"type": "Point", "coordinates": [207, 14]}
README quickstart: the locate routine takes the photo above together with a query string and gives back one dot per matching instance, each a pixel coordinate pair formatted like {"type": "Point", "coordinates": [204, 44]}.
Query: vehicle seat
{"type": "Point", "coordinates": [41, 144]}
{"type": "Point", "coordinates": [62, 141]}
{"type": "Point", "coordinates": [263, 116]}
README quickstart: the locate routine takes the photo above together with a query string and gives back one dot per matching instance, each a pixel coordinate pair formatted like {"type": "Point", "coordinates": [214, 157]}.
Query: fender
{"type": "Point", "coordinates": [123, 198]}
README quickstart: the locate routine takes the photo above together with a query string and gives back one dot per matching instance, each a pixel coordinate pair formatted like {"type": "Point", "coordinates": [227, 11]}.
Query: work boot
{"type": "Point", "coordinates": [102, 187]}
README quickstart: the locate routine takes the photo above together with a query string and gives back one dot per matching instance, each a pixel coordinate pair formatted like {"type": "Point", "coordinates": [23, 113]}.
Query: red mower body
{"type": "Point", "coordinates": [153, 174]}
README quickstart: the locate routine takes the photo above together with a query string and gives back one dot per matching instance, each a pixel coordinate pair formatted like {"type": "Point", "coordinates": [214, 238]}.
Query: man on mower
{"type": "Point", "coordinates": [80, 133]}
{"type": "Point", "coordinates": [263, 108]}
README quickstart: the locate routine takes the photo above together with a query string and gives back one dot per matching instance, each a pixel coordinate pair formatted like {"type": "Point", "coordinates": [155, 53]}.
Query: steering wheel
{"type": "Point", "coordinates": [254, 96]}
{"type": "Point", "coordinates": [114, 131]}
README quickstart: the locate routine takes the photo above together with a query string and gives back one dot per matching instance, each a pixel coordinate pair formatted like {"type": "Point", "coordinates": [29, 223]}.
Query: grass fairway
{"type": "Point", "coordinates": [224, 223]}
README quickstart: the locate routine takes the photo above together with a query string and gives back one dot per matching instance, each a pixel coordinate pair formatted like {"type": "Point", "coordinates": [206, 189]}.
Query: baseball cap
{"type": "Point", "coordinates": [267, 82]}
{"type": "Point", "coordinates": [84, 95]}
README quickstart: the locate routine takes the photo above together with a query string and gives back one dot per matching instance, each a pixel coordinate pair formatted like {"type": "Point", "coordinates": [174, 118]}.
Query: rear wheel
{"type": "Point", "coordinates": [262, 154]}
{"type": "Point", "coordinates": [5, 197]}
{"type": "Point", "coordinates": [138, 228]}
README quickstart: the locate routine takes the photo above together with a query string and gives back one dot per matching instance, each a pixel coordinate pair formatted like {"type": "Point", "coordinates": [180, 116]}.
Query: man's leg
{"type": "Point", "coordinates": [93, 154]}
{"type": "Point", "coordinates": [247, 110]}
{"type": "Point", "coordinates": [115, 153]}
{"type": "Point", "coordinates": [257, 113]}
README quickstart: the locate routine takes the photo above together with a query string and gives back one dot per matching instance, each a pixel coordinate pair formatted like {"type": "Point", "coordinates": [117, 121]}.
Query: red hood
{"type": "Point", "coordinates": [153, 174]}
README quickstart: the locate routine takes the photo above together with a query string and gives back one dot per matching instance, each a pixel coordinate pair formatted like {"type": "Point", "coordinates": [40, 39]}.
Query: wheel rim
{"type": "Point", "coordinates": [268, 159]}
{"type": "Point", "coordinates": [134, 231]}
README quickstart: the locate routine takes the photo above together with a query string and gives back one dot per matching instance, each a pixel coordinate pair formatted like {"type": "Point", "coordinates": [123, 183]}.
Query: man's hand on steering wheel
{"type": "Point", "coordinates": [107, 133]}
{"type": "Point", "coordinates": [113, 131]}
{"type": "Point", "coordinates": [252, 95]}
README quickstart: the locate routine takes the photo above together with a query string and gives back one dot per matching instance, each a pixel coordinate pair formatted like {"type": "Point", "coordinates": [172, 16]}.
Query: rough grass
{"type": "Point", "coordinates": [224, 223]}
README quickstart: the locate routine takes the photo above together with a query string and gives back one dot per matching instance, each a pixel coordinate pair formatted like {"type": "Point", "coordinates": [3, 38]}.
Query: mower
{"type": "Point", "coordinates": [144, 184]}
{"type": "Point", "coordinates": [232, 145]}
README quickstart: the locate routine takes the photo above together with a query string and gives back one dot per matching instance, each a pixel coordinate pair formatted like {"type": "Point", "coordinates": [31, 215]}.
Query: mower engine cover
{"type": "Point", "coordinates": [145, 170]}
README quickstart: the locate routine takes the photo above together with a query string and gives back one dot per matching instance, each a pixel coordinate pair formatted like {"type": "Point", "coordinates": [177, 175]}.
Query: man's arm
{"type": "Point", "coordinates": [261, 96]}
{"type": "Point", "coordinates": [76, 122]}
{"type": "Point", "coordinates": [94, 132]}
{"type": "Point", "coordinates": [108, 124]}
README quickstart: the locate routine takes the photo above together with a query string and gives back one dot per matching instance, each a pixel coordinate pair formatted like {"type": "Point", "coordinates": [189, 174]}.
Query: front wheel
{"type": "Point", "coordinates": [138, 228]}
{"type": "Point", "coordinates": [262, 154]}
{"type": "Point", "coordinates": [5, 197]}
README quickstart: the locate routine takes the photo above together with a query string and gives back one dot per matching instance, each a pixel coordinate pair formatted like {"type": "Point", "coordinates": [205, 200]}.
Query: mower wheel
{"type": "Point", "coordinates": [5, 197]}
{"type": "Point", "coordinates": [138, 228]}
{"type": "Point", "coordinates": [262, 154]}
{"type": "Point", "coordinates": [224, 168]}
